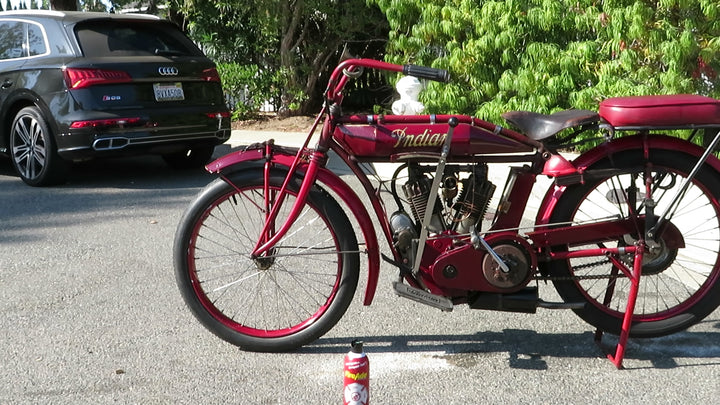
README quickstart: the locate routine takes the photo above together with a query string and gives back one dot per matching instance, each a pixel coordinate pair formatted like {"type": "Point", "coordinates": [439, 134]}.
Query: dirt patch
{"type": "Point", "coordinates": [273, 123]}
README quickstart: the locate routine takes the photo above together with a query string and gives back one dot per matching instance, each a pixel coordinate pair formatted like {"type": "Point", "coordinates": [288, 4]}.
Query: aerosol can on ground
{"type": "Point", "coordinates": [356, 376]}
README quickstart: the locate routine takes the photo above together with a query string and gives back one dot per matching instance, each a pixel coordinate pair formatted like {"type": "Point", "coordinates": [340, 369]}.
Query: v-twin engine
{"type": "Point", "coordinates": [461, 203]}
{"type": "Point", "coordinates": [451, 258]}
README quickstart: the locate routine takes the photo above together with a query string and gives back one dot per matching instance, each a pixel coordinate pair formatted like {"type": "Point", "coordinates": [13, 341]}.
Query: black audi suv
{"type": "Point", "coordinates": [79, 85]}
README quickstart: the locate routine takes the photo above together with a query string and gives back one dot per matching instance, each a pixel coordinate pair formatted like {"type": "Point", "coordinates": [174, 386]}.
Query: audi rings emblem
{"type": "Point", "coordinates": [168, 71]}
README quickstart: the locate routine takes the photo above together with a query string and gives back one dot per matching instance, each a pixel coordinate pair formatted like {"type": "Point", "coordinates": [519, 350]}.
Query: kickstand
{"type": "Point", "coordinates": [634, 276]}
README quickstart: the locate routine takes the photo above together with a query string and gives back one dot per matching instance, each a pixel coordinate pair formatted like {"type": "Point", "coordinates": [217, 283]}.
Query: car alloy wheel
{"type": "Point", "coordinates": [33, 150]}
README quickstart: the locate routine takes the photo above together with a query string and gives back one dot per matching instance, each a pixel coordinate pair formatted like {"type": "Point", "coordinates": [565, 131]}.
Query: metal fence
{"type": "Point", "coordinates": [232, 100]}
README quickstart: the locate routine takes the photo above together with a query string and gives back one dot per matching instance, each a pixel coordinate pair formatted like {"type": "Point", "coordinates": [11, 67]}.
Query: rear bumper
{"type": "Point", "coordinates": [144, 136]}
{"type": "Point", "coordinates": [123, 144]}
{"type": "Point", "coordinates": [117, 142]}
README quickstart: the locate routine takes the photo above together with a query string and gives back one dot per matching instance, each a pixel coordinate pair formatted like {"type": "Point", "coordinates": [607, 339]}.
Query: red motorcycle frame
{"type": "Point", "coordinates": [443, 256]}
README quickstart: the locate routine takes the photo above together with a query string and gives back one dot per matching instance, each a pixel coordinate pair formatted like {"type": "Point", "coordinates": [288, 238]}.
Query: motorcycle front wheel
{"type": "Point", "coordinates": [278, 302]}
{"type": "Point", "coordinates": [678, 286]}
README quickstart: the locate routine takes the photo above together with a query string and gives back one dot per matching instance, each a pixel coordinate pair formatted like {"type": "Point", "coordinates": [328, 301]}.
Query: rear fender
{"type": "Point", "coordinates": [284, 157]}
{"type": "Point", "coordinates": [635, 142]}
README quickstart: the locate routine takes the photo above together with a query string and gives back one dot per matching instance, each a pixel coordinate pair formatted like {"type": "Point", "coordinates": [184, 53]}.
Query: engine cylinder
{"type": "Point", "coordinates": [474, 199]}
{"type": "Point", "coordinates": [418, 194]}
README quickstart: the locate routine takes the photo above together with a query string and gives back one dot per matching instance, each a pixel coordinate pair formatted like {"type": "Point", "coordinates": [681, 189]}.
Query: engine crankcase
{"type": "Point", "coordinates": [469, 269]}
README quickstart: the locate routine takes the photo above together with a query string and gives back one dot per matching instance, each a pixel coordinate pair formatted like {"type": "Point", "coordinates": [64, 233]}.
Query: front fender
{"type": "Point", "coordinates": [587, 159]}
{"type": "Point", "coordinates": [282, 156]}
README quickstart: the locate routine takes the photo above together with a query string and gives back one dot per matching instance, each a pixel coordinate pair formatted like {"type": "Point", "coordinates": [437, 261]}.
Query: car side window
{"type": "Point", "coordinates": [21, 39]}
{"type": "Point", "coordinates": [36, 40]}
{"type": "Point", "coordinates": [12, 39]}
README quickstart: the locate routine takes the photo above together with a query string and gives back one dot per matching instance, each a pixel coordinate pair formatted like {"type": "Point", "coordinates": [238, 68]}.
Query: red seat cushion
{"type": "Point", "coordinates": [679, 110]}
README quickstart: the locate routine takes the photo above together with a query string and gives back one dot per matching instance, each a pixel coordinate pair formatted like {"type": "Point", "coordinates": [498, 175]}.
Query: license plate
{"type": "Point", "coordinates": [168, 92]}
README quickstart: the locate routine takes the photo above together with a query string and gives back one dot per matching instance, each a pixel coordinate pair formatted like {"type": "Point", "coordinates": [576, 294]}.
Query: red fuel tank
{"type": "Point", "coordinates": [393, 136]}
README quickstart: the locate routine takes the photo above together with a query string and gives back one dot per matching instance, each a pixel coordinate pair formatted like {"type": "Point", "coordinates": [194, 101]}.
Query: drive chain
{"type": "Point", "coordinates": [588, 277]}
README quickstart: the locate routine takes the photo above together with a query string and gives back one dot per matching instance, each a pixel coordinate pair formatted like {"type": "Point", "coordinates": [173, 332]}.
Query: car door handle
{"type": "Point", "coordinates": [7, 83]}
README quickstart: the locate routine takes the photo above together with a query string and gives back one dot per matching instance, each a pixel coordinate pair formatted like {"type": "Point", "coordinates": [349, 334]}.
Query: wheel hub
{"type": "Point", "coordinates": [264, 263]}
{"type": "Point", "coordinates": [655, 260]}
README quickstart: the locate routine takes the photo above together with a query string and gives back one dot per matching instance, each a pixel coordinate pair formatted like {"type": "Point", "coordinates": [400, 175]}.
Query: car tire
{"type": "Point", "coordinates": [190, 158]}
{"type": "Point", "coordinates": [33, 150]}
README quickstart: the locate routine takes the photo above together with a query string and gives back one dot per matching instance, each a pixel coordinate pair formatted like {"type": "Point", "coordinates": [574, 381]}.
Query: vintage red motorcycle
{"type": "Point", "coordinates": [629, 232]}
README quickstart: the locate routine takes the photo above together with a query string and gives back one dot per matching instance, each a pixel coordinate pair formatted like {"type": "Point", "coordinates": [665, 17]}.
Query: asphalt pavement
{"type": "Point", "coordinates": [90, 314]}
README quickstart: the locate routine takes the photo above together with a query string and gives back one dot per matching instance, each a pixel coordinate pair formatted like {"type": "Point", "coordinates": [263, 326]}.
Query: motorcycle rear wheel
{"type": "Point", "coordinates": [278, 302]}
{"type": "Point", "coordinates": [678, 287]}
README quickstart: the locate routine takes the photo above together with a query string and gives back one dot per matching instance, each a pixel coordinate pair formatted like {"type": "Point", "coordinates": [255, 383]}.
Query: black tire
{"type": "Point", "coordinates": [678, 287]}
{"type": "Point", "coordinates": [33, 151]}
{"type": "Point", "coordinates": [190, 158]}
{"type": "Point", "coordinates": [272, 304]}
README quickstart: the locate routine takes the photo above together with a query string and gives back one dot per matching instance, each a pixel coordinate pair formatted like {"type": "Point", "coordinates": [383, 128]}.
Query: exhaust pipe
{"type": "Point", "coordinates": [110, 143]}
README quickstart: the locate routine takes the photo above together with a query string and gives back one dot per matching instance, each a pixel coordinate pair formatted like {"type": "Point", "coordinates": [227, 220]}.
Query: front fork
{"type": "Point", "coordinates": [270, 235]}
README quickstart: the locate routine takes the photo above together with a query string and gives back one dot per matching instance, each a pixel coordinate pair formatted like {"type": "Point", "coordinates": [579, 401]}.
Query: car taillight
{"type": "Point", "coordinates": [114, 122]}
{"type": "Point", "coordinates": [77, 78]}
{"type": "Point", "coordinates": [211, 75]}
{"type": "Point", "coordinates": [223, 114]}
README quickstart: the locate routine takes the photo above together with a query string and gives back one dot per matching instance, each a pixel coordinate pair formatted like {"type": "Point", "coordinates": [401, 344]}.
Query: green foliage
{"type": "Point", "coordinates": [297, 40]}
{"type": "Point", "coordinates": [148, 6]}
{"type": "Point", "coordinates": [547, 55]}
{"type": "Point", "coordinates": [93, 5]}
{"type": "Point", "coordinates": [223, 29]}
{"type": "Point", "coordinates": [248, 86]}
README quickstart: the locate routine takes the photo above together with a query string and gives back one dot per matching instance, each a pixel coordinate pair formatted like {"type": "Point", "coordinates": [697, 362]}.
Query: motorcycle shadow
{"type": "Point", "coordinates": [528, 349]}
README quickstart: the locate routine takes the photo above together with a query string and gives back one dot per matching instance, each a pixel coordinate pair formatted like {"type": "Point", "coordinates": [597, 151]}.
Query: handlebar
{"type": "Point", "coordinates": [438, 75]}
{"type": "Point", "coordinates": [338, 79]}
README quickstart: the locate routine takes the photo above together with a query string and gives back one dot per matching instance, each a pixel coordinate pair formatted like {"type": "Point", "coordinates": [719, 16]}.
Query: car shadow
{"type": "Point", "coordinates": [141, 172]}
{"type": "Point", "coordinates": [138, 172]}
{"type": "Point", "coordinates": [6, 168]}
{"type": "Point", "coordinates": [147, 172]}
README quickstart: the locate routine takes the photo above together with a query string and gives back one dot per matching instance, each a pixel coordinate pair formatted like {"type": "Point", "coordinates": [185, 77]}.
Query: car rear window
{"type": "Point", "coordinates": [131, 38]}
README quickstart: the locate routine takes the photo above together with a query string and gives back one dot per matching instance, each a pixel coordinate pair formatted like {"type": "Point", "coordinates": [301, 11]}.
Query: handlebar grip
{"type": "Point", "coordinates": [438, 75]}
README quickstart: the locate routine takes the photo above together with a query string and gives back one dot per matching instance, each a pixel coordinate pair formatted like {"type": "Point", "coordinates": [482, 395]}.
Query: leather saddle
{"type": "Point", "coordinates": [538, 126]}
